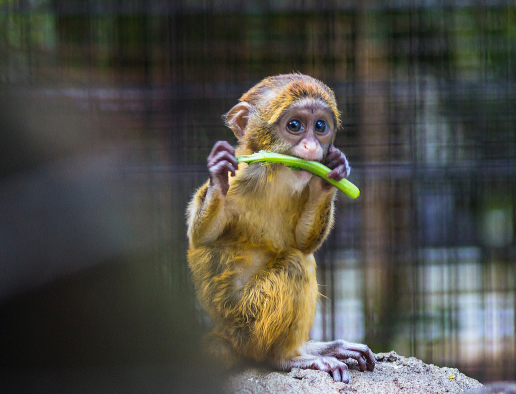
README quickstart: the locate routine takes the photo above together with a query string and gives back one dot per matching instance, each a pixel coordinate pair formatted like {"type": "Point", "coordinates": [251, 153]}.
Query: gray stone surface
{"type": "Point", "coordinates": [392, 374]}
{"type": "Point", "coordinates": [496, 388]}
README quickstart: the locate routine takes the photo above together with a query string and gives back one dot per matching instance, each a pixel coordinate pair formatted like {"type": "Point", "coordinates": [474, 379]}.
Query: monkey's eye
{"type": "Point", "coordinates": [321, 126]}
{"type": "Point", "coordinates": [294, 126]}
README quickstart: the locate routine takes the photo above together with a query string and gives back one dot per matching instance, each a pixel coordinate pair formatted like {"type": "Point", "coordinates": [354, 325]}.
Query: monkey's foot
{"type": "Point", "coordinates": [343, 350]}
{"type": "Point", "coordinates": [336, 368]}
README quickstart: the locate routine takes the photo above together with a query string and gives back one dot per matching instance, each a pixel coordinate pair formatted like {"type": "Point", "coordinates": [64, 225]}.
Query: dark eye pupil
{"type": "Point", "coordinates": [294, 125]}
{"type": "Point", "coordinates": [320, 126]}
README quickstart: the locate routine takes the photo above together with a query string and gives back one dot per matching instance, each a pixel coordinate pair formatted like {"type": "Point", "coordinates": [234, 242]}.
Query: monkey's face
{"type": "Point", "coordinates": [308, 128]}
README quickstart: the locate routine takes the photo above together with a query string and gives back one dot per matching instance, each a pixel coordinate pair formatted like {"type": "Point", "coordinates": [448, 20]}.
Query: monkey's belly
{"type": "Point", "coordinates": [253, 260]}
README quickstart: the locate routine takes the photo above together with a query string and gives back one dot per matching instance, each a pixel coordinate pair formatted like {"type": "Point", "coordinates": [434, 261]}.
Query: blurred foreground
{"type": "Point", "coordinates": [86, 301]}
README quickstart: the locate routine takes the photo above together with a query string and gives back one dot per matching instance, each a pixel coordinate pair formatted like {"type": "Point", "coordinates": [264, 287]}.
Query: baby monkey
{"type": "Point", "coordinates": [252, 236]}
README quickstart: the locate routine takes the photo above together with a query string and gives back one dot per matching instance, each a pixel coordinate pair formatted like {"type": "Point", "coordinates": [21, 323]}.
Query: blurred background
{"type": "Point", "coordinates": [110, 108]}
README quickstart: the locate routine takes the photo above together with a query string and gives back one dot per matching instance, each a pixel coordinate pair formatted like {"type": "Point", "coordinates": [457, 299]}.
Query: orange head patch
{"type": "Point", "coordinates": [274, 95]}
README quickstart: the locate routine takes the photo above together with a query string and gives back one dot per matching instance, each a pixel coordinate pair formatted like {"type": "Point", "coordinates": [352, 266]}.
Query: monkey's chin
{"type": "Point", "coordinates": [303, 175]}
{"type": "Point", "coordinates": [301, 179]}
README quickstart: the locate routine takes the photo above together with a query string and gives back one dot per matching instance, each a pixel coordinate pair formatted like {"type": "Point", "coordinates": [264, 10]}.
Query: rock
{"type": "Point", "coordinates": [392, 374]}
{"type": "Point", "coordinates": [496, 388]}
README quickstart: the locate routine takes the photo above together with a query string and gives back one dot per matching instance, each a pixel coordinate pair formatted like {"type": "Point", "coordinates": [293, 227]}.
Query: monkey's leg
{"type": "Point", "coordinates": [281, 298]}
{"type": "Point", "coordinates": [270, 317]}
{"type": "Point", "coordinates": [206, 214]}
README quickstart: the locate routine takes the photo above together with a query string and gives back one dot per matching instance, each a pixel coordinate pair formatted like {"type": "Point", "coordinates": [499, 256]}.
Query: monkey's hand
{"type": "Point", "coordinates": [221, 162]}
{"type": "Point", "coordinates": [337, 162]}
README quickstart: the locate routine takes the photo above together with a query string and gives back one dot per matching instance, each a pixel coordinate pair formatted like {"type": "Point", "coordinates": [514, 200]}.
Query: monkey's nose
{"type": "Point", "coordinates": [310, 151]}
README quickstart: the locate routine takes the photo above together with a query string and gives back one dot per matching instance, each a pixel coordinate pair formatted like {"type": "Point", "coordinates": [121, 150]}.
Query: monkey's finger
{"type": "Point", "coordinates": [362, 363]}
{"type": "Point", "coordinates": [332, 157]}
{"type": "Point", "coordinates": [215, 149]}
{"type": "Point", "coordinates": [333, 174]}
{"type": "Point", "coordinates": [364, 350]}
{"type": "Point", "coordinates": [337, 159]}
{"type": "Point", "coordinates": [348, 169]}
{"type": "Point", "coordinates": [337, 377]}
{"type": "Point", "coordinates": [333, 149]}
{"type": "Point", "coordinates": [345, 354]}
{"type": "Point", "coordinates": [221, 146]}
{"type": "Point", "coordinates": [345, 375]}
{"type": "Point", "coordinates": [229, 167]}
{"type": "Point", "coordinates": [337, 155]}
{"type": "Point", "coordinates": [370, 359]}
{"type": "Point", "coordinates": [217, 166]}
{"type": "Point", "coordinates": [332, 152]}
{"type": "Point", "coordinates": [366, 364]}
{"type": "Point", "coordinates": [341, 374]}
{"type": "Point", "coordinates": [337, 174]}
{"type": "Point", "coordinates": [222, 167]}
{"type": "Point", "coordinates": [342, 171]}
{"type": "Point", "coordinates": [223, 156]}
{"type": "Point", "coordinates": [338, 162]}
{"type": "Point", "coordinates": [335, 163]}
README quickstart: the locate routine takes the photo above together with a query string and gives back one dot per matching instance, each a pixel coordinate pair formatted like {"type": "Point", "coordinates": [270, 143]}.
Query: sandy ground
{"type": "Point", "coordinates": [392, 374]}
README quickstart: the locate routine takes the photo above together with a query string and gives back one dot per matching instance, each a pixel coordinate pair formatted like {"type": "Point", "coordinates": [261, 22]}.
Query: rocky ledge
{"type": "Point", "coordinates": [392, 374]}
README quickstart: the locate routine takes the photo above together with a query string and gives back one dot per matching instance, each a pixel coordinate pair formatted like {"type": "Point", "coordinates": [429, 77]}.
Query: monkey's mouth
{"type": "Point", "coordinates": [318, 159]}
{"type": "Point", "coordinates": [308, 156]}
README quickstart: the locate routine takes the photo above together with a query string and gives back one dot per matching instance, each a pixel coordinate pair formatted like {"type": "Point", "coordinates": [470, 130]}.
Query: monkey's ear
{"type": "Point", "coordinates": [237, 118]}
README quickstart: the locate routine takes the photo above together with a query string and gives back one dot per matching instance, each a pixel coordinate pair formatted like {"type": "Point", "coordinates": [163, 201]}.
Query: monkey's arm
{"type": "Point", "coordinates": [206, 214]}
{"type": "Point", "coordinates": [316, 220]}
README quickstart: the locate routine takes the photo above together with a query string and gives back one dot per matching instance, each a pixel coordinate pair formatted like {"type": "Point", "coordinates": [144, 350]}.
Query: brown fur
{"type": "Point", "coordinates": [288, 89]}
{"type": "Point", "coordinates": [251, 251]}
{"type": "Point", "coordinates": [205, 213]}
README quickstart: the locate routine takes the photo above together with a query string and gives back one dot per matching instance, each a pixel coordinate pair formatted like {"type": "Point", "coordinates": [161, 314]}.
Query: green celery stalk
{"type": "Point", "coordinates": [296, 163]}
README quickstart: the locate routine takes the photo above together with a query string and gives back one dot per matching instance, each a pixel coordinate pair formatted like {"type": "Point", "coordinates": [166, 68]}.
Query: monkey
{"type": "Point", "coordinates": [252, 235]}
